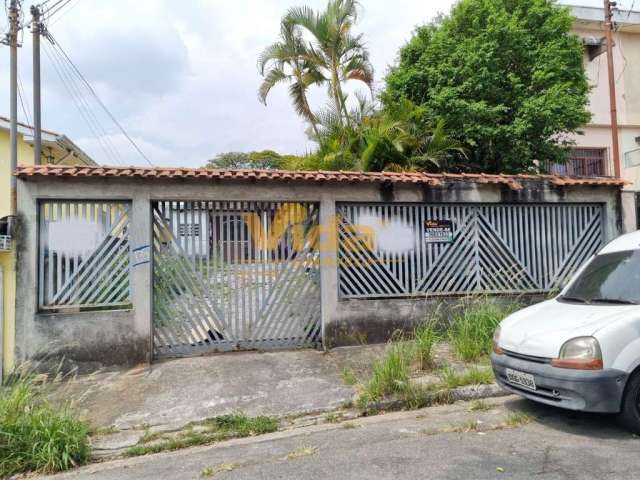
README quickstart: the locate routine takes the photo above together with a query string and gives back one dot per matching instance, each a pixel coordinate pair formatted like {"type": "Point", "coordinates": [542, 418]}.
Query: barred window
{"type": "Point", "coordinates": [83, 257]}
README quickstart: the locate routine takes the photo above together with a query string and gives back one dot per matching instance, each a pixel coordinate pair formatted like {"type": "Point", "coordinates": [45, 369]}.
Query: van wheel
{"type": "Point", "coordinates": [630, 414]}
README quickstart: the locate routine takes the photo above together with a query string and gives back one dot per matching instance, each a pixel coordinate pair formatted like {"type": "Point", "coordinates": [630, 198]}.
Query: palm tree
{"type": "Point", "coordinates": [286, 62]}
{"type": "Point", "coordinates": [334, 55]}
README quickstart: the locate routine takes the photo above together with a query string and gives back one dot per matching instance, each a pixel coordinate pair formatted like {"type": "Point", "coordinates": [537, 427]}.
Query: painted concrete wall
{"type": "Point", "coordinates": [8, 259]}
{"type": "Point", "coordinates": [102, 338]}
{"type": "Point", "coordinates": [626, 53]}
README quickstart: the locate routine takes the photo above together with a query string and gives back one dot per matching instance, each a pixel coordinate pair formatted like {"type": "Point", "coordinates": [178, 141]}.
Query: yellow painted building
{"type": "Point", "coordinates": [56, 149]}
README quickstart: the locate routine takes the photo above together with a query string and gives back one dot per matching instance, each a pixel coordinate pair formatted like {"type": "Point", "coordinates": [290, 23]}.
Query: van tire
{"type": "Point", "coordinates": [629, 416]}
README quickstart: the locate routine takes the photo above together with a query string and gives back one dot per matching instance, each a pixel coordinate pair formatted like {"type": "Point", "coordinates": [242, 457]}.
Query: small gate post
{"type": "Point", "coordinates": [141, 271]}
{"type": "Point", "coordinates": [328, 264]}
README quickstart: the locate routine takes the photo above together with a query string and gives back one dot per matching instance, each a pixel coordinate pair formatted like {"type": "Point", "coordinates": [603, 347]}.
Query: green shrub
{"type": "Point", "coordinates": [36, 436]}
{"type": "Point", "coordinates": [471, 330]}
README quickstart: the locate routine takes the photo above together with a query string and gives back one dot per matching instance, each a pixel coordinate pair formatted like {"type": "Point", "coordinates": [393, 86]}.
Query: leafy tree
{"type": "Point", "coordinates": [332, 57]}
{"type": "Point", "coordinates": [401, 138]}
{"type": "Point", "coordinates": [265, 159]}
{"type": "Point", "coordinates": [506, 76]}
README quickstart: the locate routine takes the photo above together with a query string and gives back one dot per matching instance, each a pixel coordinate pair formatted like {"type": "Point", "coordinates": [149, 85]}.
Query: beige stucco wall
{"type": "Point", "coordinates": [627, 74]}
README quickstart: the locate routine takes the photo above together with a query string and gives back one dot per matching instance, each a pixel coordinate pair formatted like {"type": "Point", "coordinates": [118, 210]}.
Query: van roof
{"type": "Point", "coordinates": [630, 241]}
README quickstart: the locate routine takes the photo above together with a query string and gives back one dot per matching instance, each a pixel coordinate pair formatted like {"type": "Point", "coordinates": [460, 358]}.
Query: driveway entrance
{"type": "Point", "coordinates": [234, 275]}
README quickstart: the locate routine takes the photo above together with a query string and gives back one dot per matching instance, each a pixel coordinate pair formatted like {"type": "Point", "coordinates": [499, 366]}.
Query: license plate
{"type": "Point", "coordinates": [522, 379]}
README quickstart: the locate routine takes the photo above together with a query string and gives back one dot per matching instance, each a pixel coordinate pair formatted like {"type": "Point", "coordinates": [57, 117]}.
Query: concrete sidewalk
{"type": "Point", "coordinates": [452, 442]}
{"type": "Point", "coordinates": [176, 392]}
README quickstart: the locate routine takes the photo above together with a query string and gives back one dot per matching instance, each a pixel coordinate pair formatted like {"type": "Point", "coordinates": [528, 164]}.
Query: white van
{"type": "Point", "coordinates": [581, 350]}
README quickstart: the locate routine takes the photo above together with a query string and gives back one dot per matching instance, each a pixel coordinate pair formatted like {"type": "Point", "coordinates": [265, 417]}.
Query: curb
{"type": "Point", "coordinates": [115, 449]}
{"type": "Point", "coordinates": [465, 394]}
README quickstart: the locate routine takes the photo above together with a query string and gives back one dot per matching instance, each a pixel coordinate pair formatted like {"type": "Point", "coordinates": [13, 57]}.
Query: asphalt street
{"type": "Point", "coordinates": [461, 441]}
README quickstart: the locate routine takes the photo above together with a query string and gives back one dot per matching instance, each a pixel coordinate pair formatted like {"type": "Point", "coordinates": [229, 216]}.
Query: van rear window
{"type": "Point", "coordinates": [612, 278]}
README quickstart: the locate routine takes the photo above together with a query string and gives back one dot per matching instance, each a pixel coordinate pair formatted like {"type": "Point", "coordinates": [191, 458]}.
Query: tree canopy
{"type": "Point", "coordinates": [505, 76]}
{"type": "Point", "coordinates": [265, 160]}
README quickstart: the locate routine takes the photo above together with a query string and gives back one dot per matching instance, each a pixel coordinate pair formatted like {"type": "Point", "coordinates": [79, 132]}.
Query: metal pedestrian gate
{"type": "Point", "coordinates": [233, 275]}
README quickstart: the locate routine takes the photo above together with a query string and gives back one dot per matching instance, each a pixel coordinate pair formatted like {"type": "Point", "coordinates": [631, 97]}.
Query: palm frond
{"type": "Point", "coordinates": [271, 79]}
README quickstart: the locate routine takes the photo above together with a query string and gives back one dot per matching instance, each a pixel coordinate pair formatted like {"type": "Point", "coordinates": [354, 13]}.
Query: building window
{"type": "Point", "coordinates": [189, 230]}
{"type": "Point", "coordinates": [583, 162]}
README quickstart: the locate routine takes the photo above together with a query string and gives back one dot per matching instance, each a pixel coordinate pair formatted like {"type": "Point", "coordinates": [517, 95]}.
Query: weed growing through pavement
{"type": "Point", "coordinates": [465, 427]}
{"type": "Point", "coordinates": [517, 419]}
{"type": "Point", "coordinates": [304, 451]}
{"type": "Point", "coordinates": [212, 430]}
{"type": "Point", "coordinates": [333, 417]}
{"type": "Point", "coordinates": [472, 327]}
{"type": "Point", "coordinates": [348, 376]}
{"type": "Point", "coordinates": [479, 406]}
{"type": "Point", "coordinates": [223, 467]}
{"type": "Point", "coordinates": [450, 378]}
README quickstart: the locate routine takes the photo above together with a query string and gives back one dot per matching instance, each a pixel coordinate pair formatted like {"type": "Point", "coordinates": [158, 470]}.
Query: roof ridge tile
{"type": "Point", "coordinates": [342, 176]}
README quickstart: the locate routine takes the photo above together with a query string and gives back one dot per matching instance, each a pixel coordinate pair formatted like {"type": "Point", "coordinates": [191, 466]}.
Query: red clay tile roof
{"type": "Point", "coordinates": [434, 179]}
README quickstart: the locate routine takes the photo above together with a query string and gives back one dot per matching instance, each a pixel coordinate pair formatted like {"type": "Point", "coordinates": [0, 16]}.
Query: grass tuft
{"type": "Point", "coordinates": [425, 338]}
{"type": "Point", "coordinates": [390, 373]}
{"type": "Point", "coordinates": [348, 376]}
{"type": "Point", "coordinates": [472, 329]}
{"type": "Point", "coordinates": [302, 452]}
{"type": "Point", "coordinates": [223, 467]}
{"type": "Point", "coordinates": [479, 406]}
{"type": "Point", "coordinates": [517, 419]}
{"type": "Point", "coordinates": [333, 417]}
{"type": "Point", "coordinates": [212, 430]}
{"type": "Point", "coordinates": [450, 378]}
{"type": "Point", "coordinates": [465, 427]}
{"type": "Point", "coordinates": [35, 435]}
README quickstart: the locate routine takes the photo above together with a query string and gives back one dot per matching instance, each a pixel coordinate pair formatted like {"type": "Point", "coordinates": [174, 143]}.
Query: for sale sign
{"type": "Point", "coordinates": [438, 231]}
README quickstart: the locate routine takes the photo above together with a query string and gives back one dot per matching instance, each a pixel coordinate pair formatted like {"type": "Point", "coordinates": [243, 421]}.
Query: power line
{"type": "Point", "coordinates": [85, 106]}
{"type": "Point", "coordinates": [51, 12]}
{"type": "Point", "coordinates": [633, 4]}
{"type": "Point", "coordinates": [23, 98]}
{"type": "Point", "coordinates": [82, 108]}
{"type": "Point", "coordinates": [58, 47]}
{"type": "Point", "coordinates": [71, 7]}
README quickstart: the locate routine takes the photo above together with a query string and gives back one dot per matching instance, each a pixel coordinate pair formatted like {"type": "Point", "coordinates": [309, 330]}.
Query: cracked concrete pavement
{"type": "Point", "coordinates": [450, 442]}
{"type": "Point", "coordinates": [175, 392]}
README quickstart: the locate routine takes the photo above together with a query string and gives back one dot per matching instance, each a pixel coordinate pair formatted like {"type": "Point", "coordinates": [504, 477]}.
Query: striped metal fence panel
{"type": "Point", "coordinates": [234, 275]}
{"type": "Point", "coordinates": [383, 251]}
{"type": "Point", "coordinates": [83, 255]}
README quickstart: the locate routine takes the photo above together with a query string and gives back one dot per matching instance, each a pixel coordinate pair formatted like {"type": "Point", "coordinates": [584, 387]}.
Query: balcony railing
{"type": "Point", "coordinates": [583, 162]}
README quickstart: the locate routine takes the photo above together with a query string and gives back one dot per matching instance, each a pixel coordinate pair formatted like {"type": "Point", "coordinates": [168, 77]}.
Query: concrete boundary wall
{"type": "Point", "coordinates": [93, 339]}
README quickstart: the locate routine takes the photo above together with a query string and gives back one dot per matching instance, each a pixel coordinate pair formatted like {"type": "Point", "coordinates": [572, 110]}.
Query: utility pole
{"type": "Point", "coordinates": [608, 27]}
{"type": "Point", "coordinates": [36, 31]}
{"type": "Point", "coordinates": [12, 41]}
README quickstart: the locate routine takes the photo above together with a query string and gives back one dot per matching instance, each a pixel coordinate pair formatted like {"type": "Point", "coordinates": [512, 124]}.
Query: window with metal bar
{"type": "Point", "coordinates": [583, 162]}
{"type": "Point", "coordinates": [83, 256]}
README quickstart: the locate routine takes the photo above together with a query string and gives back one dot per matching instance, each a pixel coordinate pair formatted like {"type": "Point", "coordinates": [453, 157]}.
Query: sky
{"type": "Point", "coordinates": [181, 77]}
